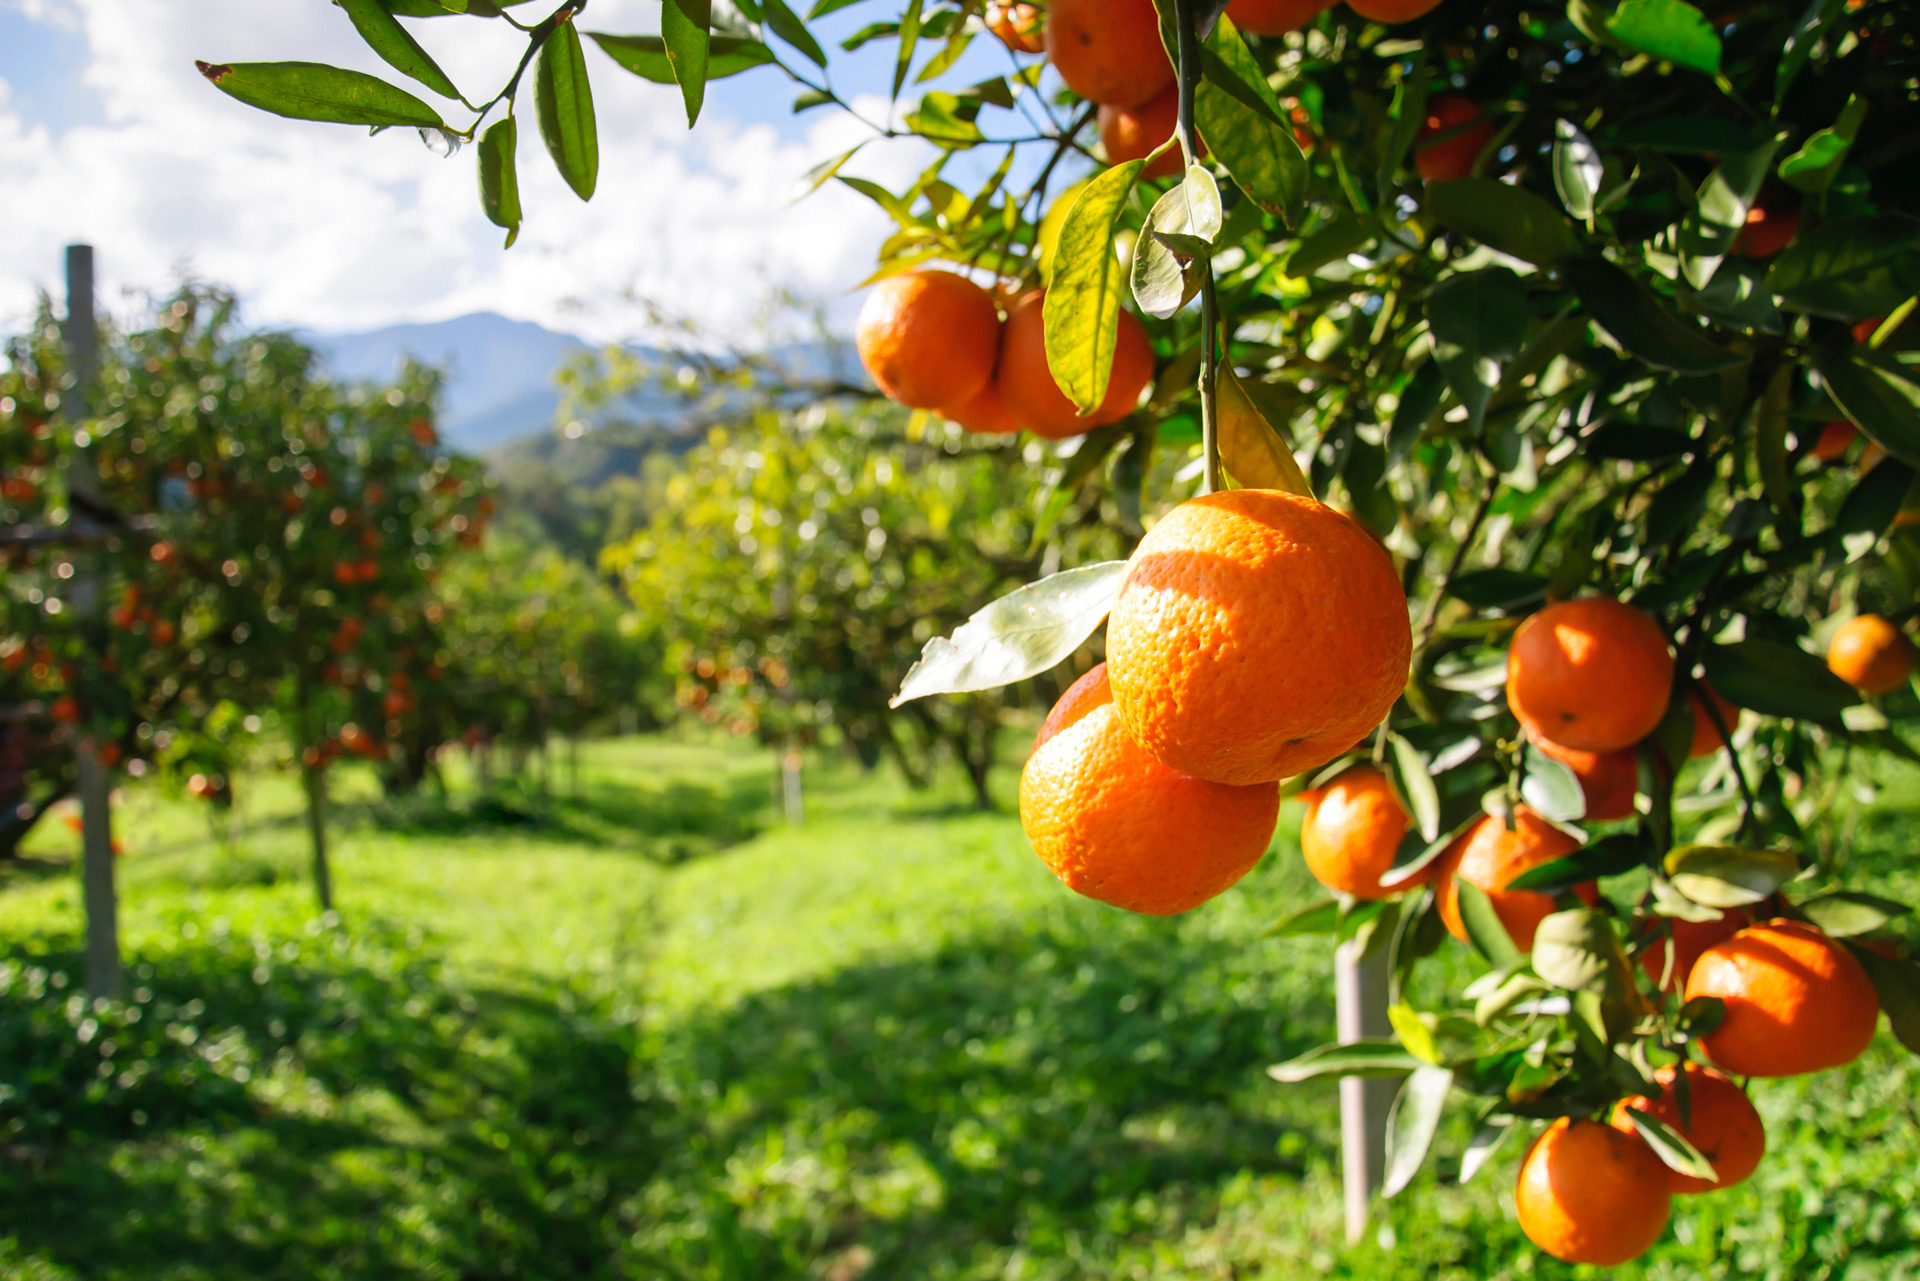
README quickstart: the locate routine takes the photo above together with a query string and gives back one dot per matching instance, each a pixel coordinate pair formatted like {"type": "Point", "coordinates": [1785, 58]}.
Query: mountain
{"type": "Point", "coordinates": [500, 372]}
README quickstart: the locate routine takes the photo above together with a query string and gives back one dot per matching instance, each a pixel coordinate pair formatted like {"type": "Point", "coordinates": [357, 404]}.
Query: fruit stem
{"type": "Point", "coordinates": [1188, 35]}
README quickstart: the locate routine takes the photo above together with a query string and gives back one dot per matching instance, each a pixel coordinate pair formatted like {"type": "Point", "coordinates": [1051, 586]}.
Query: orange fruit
{"type": "Point", "coordinates": [1116, 825]}
{"type": "Point", "coordinates": [1392, 11]}
{"type": "Point", "coordinates": [1020, 27]}
{"type": "Point", "coordinates": [1352, 831]}
{"type": "Point", "coordinates": [1131, 133]}
{"type": "Point", "coordinates": [1489, 856]}
{"type": "Point", "coordinates": [928, 338]}
{"type": "Point", "coordinates": [1706, 736]}
{"type": "Point", "coordinates": [1835, 439]}
{"type": "Point", "coordinates": [1864, 331]}
{"type": "Point", "coordinates": [1275, 17]}
{"type": "Point", "coordinates": [1721, 1123]}
{"type": "Point", "coordinates": [1590, 1194]}
{"type": "Point", "coordinates": [1468, 132]}
{"type": "Point", "coordinates": [1592, 674]}
{"type": "Point", "coordinates": [986, 413]}
{"type": "Point", "coordinates": [1796, 1001]}
{"type": "Point", "coordinates": [1687, 942]}
{"type": "Point", "coordinates": [1108, 51]}
{"type": "Point", "coordinates": [1767, 231]}
{"type": "Point", "coordinates": [1608, 780]}
{"type": "Point", "coordinates": [1257, 634]}
{"type": "Point", "coordinates": [1870, 654]}
{"type": "Point", "coordinates": [1027, 388]}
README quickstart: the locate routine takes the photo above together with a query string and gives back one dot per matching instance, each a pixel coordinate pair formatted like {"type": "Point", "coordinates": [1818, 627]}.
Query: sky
{"type": "Point", "coordinates": [109, 136]}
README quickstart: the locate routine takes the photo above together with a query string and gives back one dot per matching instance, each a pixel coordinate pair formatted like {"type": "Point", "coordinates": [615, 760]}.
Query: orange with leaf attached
{"type": "Point", "coordinates": [1030, 394]}
{"type": "Point", "coordinates": [1490, 856]}
{"type": "Point", "coordinates": [1721, 1123]}
{"type": "Point", "coordinates": [1796, 1001]}
{"type": "Point", "coordinates": [1352, 831]}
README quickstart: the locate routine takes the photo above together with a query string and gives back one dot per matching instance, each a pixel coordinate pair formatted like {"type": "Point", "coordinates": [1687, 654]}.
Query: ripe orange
{"type": "Point", "coordinates": [1131, 133]}
{"type": "Point", "coordinates": [1489, 856]}
{"type": "Point", "coordinates": [928, 338]}
{"type": "Point", "coordinates": [1796, 1001]}
{"type": "Point", "coordinates": [1592, 674]}
{"type": "Point", "coordinates": [1767, 231]}
{"type": "Point", "coordinates": [1027, 388]}
{"type": "Point", "coordinates": [1608, 780]}
{"type": "Point", "coordinates": [1870, 654]}
{"type": "Point", "coordinates": [1257, 634]}
{"type": "Point", "coordinates": [1468, 132]}
{"type": "Point", "coordinates": [1019, 26]}
{"type": "Point", "coordinates": [1392, 11]}
{"type": "Point", "coordinates": [1706, 736]}
{"type": "Point", "coordinates": [1275, 17]}
{"type": "Point", "coordinates": [1721, 1122]}
{"type": "Point", "coordinates": [1687, 942]}
{"type": "Point", "coordinates": [1352, 831]}
{"type": "Point", "coordinates": [986, 413]}
{"type": "Point", "coordinates": [1108, 51]}
{"type": "Point", "coordinates": [1590, 1194]}
{"type": "Point", "coordinates": [1116, 825]}
{"type": "Point", "coordinates": [1836, 438]}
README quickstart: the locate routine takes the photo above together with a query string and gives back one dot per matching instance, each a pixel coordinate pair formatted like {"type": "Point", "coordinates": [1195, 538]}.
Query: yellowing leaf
{"type": "Point", "coordinates": [1252, 449]}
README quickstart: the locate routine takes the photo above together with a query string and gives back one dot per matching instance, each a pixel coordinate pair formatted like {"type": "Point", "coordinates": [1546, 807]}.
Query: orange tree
{"type": "Point", "coordinates": [1594, 315]}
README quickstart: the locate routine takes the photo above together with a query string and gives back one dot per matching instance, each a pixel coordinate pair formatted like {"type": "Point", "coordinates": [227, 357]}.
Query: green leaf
{"type": "Point", "coordinates": [1669, 29]}
{"type": "Point", "coordinates": [1082, 309]}
{"type": "Point", "coordinates": [1514, 222]}
{"type": "Point", "coordinates": [1777, 680]}
{"type": "Point", "coordinates": [1878, 396]}
{"type": "Point", "coordinates": [1738, 296]}
{"type": "Point", "coordinates": [686, 28]}
{"type": "Point", "coordinates": [1577, 951]}
{"type": "Point", "coordinates": [1408, 111]}
{"type": "Point", "coordinates": [909, 38]}
{"type": "Point", "coordinates": [1671, 1146]}
{"type": "Point", "coordinates": [396, 45]}
{"type": "Point", "coordinates": [1419, 401]}
{"type": "Point", "coordinates": [944, 120]}
{"type": "Point", "coordinates": [1725, 199]}
{"type": "Point", "coordinates": [646, 57]}
{"type": "Point", "coordinates": [1412, 1123]}
{"type": "Point", "coordinates": [1321, 918]}
{"type": "Point", "coordinates": [1251, 141]}
{"type": "Point", "coordinates": [1635, 442]}
{"type": "Point", "coordinates": [1339, 236]}
{"type": "Point", "coordinates": [1167, 270]}
{"type": "Point", "coordinates": [315, 91]}
{"type": "Point", "coordinates": [1813, 168]}
{"type": "Point", "coordinates": [1022, 634]}
{"type": "Point", "coordinates": [1486, 1140]}
{"type": "Point", "coordinates": [1850, 268]}
{"type": "Point", "coordinates": [1637, 320]}
{"type": "Point", "coordinates": [1552, 789]}
{"type": "Point", "coordinates": [1873, 502]}
{"type": "Point", "coordinates": [1726, 876]}
{"type": "Point", "coordinates": [1848, 913]}
{"type": "Point", "coordinates": [1576, 169]}
{"type": "Point", "coordinates": [1608, 856]}
{"type": "Point", "coordinates": [1770, 439]}
{"type": "Point", "coordinates": [1800, 42]}
{"type": "Point", "coordinates": [499, 182]}
{"type": "Point", "coordinates": [1479, 320]}
{"type": "Point", "coordinates": [1898, 985]}
{"type": "Point", "coordinates": [1690, 135]}
{"type": "Point", "coordinates": [563, 102]}
{"type": "Point", "coordinates": [1416, 784]}
{"type": "Point", "coordinates": [1483, 926]}
{"type": "Point", "coordinates": [1498, 588]}
{"type": "Point", "coordinates": [790, 29]}
{"type": "Point", "coordinates": [1375, 1057]}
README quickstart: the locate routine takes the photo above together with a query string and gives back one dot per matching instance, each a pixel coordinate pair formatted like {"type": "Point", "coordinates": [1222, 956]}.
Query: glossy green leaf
{"type": "Point", "coordinates": [1897, 983]}
{"type": "Point", "coordinates": [909, 40]}
{"type": "Point", "coordinates": [1874, 501]}
{"type": "Point", "coordinates": [1167, 270]}
{"type": "Point", "coordinates": [1551, 788]}
{"type": "Point", "coordinates": [1670, 29]}
{"type": "Point", "coordinates": [1691, 135]}
{"type": "Point", "coordinates": [1419, 402]}
{"type": "Point", "coordinates": [1879, 396]}
{"type": "Point", "coordinates": [1850, 268]}
{"type": "Point", "coordinates": [1252, 143]}
{"type": "Point", "coordinates": [1411, 1124]}
{"type": "Point", "coordinates": [1358, 1058]}
{"type": "Point", "coordinates": [1639, 322]}
{"type": "Point", "coordinates": [1478, 319]}
{"type": "Point", "coordinates": [646, 56]}
{"type": "Point", "coordinates": [1776, 680]}
{"type": "Point", "coordinates": [1576, 169]}
{"type": "Point", "coordinates": [1849, 913]}
{"type": "Point", "coordinates": [1577, 951]}
{"type": "Point", "coordinates": [1724, 200]}
{"type": "Point", "coordinates": [396, 45]}
{"type": "Point", "coordinates": [1024, 633]}
{"type": "Point", "coordinates": [1082, 309]}
{"type": "Point", "coordinates": [499, 180]}
{"type": "Point", "coordinates": [1339, 236]}
{"type": "Point", "coordinates": [1671, 1146]}
{"type": "Point", "coordinates": [1813, 168]}
{"type": "Point", "coordinates": [563, 102]}
{"type": "Point", "coordinates": [1725, 876]}
{"type": "Point", "coordinates": [946, 121]}
{"type": "Point", "coordinates": [1320, 918]}
{"type": "Point", "coordinates": [1483, 926]}
{"type": "Point", "coordinates": [1486, 1141]}
{"type": "Point", "coordinates": [314, 91]}
{"type": "Point", "coordinates": [1608, 856]}
{"type": "Point", "coordinates": [1416, 784]}
{"type": "Point", "coordinates": [789, 28]}
{"type": "Point", "coordinates": [1498, 588]}
{"type": "Point", "coordinates": [1806, 33]}
{"type": "Point", "coordinates": [1515, 222]}
{"type": "Point", "coordinates": [686, 28]}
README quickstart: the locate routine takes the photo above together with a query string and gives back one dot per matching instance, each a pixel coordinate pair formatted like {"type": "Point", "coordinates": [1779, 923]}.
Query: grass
{"type": "Point", "coordinates": [652, 1031]}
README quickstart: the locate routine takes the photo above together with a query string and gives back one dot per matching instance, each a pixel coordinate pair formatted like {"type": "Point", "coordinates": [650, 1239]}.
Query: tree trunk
{"type": "Point", "coordinates": [316, 784]}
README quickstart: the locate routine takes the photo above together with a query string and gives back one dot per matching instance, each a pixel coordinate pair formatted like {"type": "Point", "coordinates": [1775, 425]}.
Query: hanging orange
{"type": "Point", "coordinates": [1721, 1123]}
{"type": "Point", "coordinates": [1589, 1194]}
{"type": "Point", "coordinates": [1796, 1001]}
{"type": "Point", "coordinates": [1131, 133]}
{"type": "Point", "coordinates": [1352, 833]}
{"type": "Point", "coordinates": [1871, 654]}
{"type": "Point", "coordinates": [1489, 856]}
{"type": "Point", "coordinates": [1108, 51]}
{"type": "Point", "coordinates": [1468, 132]}
{"type": "Point", "coordinates": [1026, 384]}
{"type": "Point", "coordinates": [929, 338]}
{"type": "Point", "coordinates": [1592, 674]}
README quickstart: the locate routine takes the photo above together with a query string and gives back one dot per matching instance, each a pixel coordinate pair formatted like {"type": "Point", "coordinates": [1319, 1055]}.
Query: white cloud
{"type": "Point", "coordinates": [322, 226]}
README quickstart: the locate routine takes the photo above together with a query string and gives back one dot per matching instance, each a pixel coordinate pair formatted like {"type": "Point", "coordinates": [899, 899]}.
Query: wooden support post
{"type": "Point", "coordinates": [790, 762]}
{"type": "Point", "coordinates": [315, 778]}
{"type": "Point", "coordinates": [93, 781]}
{"type": "Point", "coordinates": [1360, 1001]}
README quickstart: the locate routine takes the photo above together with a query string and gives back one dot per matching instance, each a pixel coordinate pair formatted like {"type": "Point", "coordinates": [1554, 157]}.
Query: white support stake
{"type": "Point", "coordinates": [1360, 1010]}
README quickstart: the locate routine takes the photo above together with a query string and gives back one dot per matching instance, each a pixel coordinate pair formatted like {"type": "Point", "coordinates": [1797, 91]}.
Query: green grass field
{"type": "Point", "coordinates": [651, 1031]}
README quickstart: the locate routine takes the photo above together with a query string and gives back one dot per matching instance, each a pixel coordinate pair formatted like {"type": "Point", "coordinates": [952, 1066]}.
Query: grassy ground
{"type": "Point", "coordinates": [652, 1032]}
